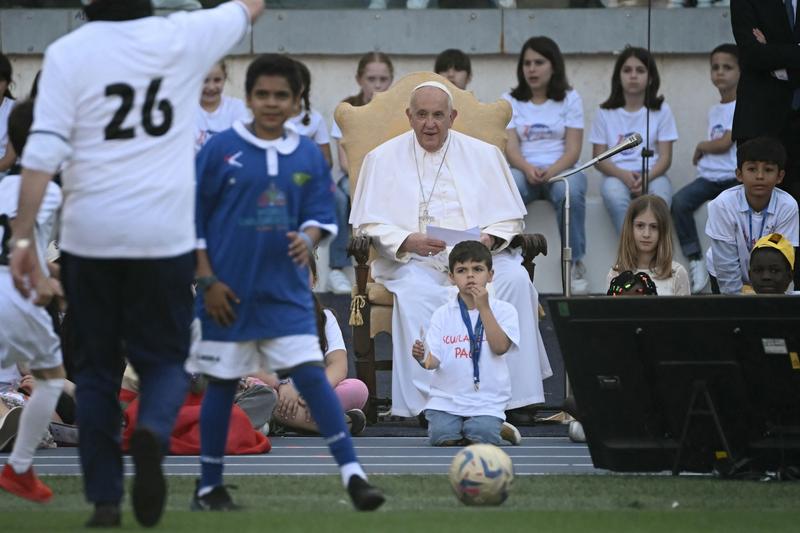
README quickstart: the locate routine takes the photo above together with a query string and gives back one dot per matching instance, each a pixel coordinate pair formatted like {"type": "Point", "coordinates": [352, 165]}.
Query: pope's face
{"type": "Point", "coordinates": [430, 117]}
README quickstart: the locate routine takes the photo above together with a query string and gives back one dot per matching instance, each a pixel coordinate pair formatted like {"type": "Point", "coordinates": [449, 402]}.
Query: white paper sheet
{"type": "Point", "coordinates": [451, 237]}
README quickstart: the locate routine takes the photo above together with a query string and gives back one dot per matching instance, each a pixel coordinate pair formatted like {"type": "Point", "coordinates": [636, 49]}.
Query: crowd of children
{"type": "Point", "coordinates": [545, 136]}
{"type": "Point", "coordinates": [265, 164]}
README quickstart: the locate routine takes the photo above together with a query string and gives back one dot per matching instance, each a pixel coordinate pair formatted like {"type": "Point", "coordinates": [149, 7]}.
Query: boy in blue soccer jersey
{"type": "Point", "coordinates": [264, 200]}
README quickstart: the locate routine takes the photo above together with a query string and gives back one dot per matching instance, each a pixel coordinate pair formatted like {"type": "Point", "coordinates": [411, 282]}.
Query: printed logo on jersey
{"type": "Point", "coordinates": [537, 132]}
{"type": "Point", "coordinates": [272, 213]}
{"type": "Point", "coordinates": [300, 178]}
{"type": "Point", "coordinates": [629, 151]}
{"type": "Point", "coordinates": [233, 160]}
{"type": "Point", "coordinates": [717, 132]}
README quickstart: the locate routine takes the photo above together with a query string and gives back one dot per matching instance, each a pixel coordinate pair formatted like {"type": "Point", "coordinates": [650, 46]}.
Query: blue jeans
{"type": "Point", "coordinates": [555, 194]}
{"type": "Point", "coordinates": [338, 249]}
{"type": "Point", "coordinates": [444, 427]}
{"type": "Point", "coordinates": [146, 304]}
{"type": "Point", "coordinates": [688, 200]}
{"type": "Point", "coordinates": [617, 196]}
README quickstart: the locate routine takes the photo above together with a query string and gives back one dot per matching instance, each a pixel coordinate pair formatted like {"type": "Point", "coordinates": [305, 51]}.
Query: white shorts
{"type": "Point", "coordinates": [233, 360]}
{"type": "Point", "coordinates": [26, 330]}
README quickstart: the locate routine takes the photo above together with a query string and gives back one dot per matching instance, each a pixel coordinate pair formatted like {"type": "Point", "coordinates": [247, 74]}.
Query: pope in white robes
{"type": "Point", "coordinates": [435, 176]}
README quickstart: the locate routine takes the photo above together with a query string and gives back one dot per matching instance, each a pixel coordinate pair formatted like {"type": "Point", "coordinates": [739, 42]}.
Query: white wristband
{"type": "Point", "coordinates": [21, 244]}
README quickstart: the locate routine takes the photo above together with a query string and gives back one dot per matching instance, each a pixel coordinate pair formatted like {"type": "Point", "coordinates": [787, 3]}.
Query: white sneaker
{"type": "Point", "coordinates": [338, 282]}
{"type": "Point", "coordinates": [510, 433]}
{"type": "Point", "coordinates": [575, 432]}
{"type": "Point", "coordinates": [377, 4]}
{"type": "Point", "coordinates": [698, 274]}
{"type": "Point", "coordinates": [578, 284]}
{"type": "Point", "coordinates": [416, 4]}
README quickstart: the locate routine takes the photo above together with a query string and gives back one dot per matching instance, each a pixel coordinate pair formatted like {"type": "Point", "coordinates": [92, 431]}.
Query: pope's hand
{"type": "Point", "coordinates": [420, 244]}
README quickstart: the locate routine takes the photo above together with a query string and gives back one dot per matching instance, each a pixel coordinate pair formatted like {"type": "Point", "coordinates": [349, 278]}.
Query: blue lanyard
{"type": "Point", "coordinates": [752, 241]}
{"type": "Point", "coordinates": [475, 340]}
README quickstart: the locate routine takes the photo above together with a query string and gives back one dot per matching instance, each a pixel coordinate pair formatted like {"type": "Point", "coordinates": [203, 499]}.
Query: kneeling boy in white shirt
{"type": "Point", "coordinates": [468, 341]}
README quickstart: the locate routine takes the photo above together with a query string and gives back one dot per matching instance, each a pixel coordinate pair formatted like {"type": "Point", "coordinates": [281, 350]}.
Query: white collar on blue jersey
{"type": "Point", "coordinates": [284, 145]}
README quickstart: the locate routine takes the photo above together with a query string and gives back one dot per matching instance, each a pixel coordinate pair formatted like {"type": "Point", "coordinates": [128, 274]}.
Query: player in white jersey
{"type": "Point", "coordinates": [26, 331]}
{"type": "Point", "coordinates": [116, 104]}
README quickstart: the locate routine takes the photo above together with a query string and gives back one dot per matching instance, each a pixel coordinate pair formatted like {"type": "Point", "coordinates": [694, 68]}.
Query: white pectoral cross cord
{"type": "Point", "coordinates": [425, 218]}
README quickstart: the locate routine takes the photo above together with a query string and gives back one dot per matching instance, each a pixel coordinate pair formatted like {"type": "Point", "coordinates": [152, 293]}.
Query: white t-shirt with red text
{"type": "Point", "coordinates": [452, 387]}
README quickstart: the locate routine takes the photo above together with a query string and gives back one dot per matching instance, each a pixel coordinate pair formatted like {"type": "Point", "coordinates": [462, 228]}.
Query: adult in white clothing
{"type": "Point", "coordinates": [456, 182]}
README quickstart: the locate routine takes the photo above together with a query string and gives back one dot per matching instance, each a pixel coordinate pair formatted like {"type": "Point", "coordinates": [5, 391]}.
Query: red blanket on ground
{"type": "Point", "coordinates": [185, 439]}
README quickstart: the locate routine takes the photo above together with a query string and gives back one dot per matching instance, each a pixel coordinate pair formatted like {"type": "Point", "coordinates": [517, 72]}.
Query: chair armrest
{"type": "Point", "coordinates": [359, 249]}
{"type": "Point", "coordinates": [532, 244]}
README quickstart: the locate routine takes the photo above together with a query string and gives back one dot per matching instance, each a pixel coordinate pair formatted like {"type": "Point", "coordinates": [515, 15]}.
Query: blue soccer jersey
{"type": "Point", "coordinates": [250, 193]}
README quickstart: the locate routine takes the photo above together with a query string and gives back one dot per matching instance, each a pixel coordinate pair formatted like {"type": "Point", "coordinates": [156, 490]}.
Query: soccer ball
{"type": "Point", "coordinates": [481, 474]}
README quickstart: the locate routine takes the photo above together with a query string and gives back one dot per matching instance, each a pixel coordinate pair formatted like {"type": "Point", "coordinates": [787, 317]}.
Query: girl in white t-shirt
{"type": "Point", "coordinates": [646, 246]}
{"type": "Point", "coordinates": [308, 121]}
{"type": "Point", "coordinates": [544, 139]}
{"type": "Point", "coordinates": [634, 91]}
{"type": "Point", "coordinates": [216, 112]}
{"type": "Point", "coordinates": [291, 410]}
{"type": "Point", "coordinates": [7, 155]}
{"type": "Point", "coordinates": [374, 74]}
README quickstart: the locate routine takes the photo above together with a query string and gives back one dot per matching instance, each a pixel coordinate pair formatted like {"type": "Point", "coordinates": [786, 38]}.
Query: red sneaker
{"type": "Point", "coordinates": [25, 485]}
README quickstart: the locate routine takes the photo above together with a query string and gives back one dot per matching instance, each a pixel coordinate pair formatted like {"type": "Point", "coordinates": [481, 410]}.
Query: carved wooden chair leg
{"type": "Point", "coordinates": [363, 345]}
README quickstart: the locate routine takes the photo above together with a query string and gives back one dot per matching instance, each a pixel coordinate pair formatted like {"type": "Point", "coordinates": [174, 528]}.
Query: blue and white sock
{"type": "Point", "coordinates": [215, 417]}
{"type": "Point", "coordinates": [326, 410]}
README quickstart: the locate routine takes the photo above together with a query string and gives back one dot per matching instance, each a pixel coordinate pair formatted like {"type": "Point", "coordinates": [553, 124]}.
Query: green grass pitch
{"type": "Point", "coordinates": [318, 504]}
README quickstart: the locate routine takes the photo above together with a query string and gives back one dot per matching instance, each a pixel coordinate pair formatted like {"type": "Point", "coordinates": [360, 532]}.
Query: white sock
{"type": "Point", "coordinates": [202, 491]}
{"type": "Point", "coordinates": [36, 416]}
{"type": "Point", "coordinates": [351, 469]}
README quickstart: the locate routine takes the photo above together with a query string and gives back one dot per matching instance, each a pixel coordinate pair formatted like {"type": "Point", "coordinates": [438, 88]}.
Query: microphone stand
{"type": "Point", "coordinates": [566, 251]}
{"type": "Point", "coordinates": [647, 153]}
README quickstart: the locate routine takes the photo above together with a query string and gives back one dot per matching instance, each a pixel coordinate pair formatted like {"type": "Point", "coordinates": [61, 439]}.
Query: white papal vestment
{"type": "Point", "coordinates": [474, 188]}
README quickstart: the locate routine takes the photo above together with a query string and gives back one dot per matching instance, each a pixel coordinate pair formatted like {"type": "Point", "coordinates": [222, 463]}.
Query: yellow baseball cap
{"type": "Point", "coordinates": [780, 243]}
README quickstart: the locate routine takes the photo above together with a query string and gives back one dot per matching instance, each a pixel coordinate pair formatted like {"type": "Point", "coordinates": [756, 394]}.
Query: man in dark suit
{"type": "Point", "coordinates": [768, 95]}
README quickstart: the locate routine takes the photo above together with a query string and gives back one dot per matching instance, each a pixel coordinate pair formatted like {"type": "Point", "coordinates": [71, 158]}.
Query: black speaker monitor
{"type": "Point", "coordinates": [684, 383]}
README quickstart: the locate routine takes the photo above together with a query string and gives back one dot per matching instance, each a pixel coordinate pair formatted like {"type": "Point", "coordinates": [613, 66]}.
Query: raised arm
{"type": "Point", "coordinates": [254, 7]}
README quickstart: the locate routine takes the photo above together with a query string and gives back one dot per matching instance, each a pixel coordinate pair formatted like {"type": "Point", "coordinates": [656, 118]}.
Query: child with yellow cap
{"type": "Point", "coordinates": [771, 262]}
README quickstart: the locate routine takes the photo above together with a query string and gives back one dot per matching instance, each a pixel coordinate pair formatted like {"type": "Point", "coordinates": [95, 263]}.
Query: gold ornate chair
{"type": "Point", "coordinates": [366, 127]}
